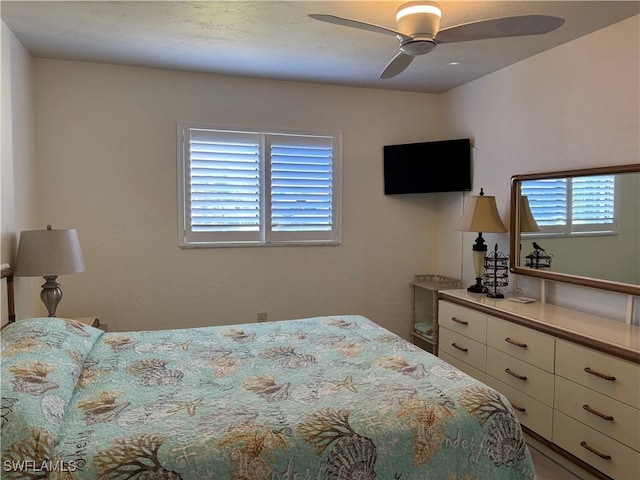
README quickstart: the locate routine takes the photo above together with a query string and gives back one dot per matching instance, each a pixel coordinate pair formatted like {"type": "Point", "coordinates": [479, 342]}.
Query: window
{"type": "Point", "coordinates": [573, 206]}
{"type": "Point", "coordinates": [240, 187]}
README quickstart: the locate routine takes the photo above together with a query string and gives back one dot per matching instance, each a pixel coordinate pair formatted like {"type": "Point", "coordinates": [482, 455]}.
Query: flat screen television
{"type": "Point", "coordinates": [442, 166]}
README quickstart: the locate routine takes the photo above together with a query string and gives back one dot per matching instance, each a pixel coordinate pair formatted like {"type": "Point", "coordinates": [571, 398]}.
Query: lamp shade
{"type": "Point", "coordinates": [49, 252]}
{"type": "Point", "coordinates": [481, 215]}
{"type": "Point", "coordinates": [527, 221]}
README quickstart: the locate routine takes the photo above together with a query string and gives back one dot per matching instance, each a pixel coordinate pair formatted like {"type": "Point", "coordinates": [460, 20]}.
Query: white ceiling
{"type": "Point", "coordinates": [277, 40]}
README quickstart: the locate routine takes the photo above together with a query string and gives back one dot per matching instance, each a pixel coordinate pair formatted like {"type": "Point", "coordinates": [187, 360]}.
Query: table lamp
{"type": "Point", "coordinates": [49, 253]}
{"type": "Point", "coordinates": [480, 215]}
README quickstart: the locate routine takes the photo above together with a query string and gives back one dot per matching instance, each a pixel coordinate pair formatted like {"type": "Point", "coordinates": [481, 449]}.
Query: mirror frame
{"type": "Point", "coordinates": [514, 233]}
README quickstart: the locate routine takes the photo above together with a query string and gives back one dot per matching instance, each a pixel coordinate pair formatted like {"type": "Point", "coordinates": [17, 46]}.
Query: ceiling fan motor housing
{"type": "Point", "coordinates": [417, 46]}
{"type": "Point", "coordinates": [419, 19]}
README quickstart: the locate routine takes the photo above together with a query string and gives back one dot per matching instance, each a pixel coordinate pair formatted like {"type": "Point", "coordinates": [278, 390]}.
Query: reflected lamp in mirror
{"type": "Point", "coordinates": [49, 253]}
{"type": "Point", "coordinates": [480, 215]}
{"type": "Point", "coordinates": [527, 220]}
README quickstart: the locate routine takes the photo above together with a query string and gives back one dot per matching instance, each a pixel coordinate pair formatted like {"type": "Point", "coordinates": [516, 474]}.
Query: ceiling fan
{"type": "Point", "coordinates": [418, 30]}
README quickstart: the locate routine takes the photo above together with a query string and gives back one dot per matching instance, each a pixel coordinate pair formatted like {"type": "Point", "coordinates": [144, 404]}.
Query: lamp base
{"type": "Point", "coordinates": [478, 287]}
{"type": "Point", "coordinates": [51, 294]}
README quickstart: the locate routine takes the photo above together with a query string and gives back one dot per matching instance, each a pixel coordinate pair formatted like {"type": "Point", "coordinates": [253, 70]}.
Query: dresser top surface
{"type": "Point", "coordinates": [592, 330]}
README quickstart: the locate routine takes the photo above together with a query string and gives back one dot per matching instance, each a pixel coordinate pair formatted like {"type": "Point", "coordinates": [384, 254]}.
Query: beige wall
{"type": "Point", "coordinates": [575, 106]}
{"type": "Point", "coordinates": [107, 166]}
{"type": "Point", "coordinates": [17, 172]}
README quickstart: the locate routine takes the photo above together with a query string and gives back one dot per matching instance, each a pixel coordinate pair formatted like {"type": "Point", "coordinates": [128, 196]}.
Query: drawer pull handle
{"type": "Point", "coordinates": [595, 412]}
{"type": "Point", "coordinates": [518, 407]}
{"type": "Point", "coordinates": [604, 456]}
{"type": "Point", "coordinates": [516, 343]}
{"type": "Point", "coordinates": [598, 374]}
{"type": "Point", "coordinates": [462, 349]}
{"type": "Point", "coordinates": [461, 322]}
{"type": "Point", "coordinates": [513, 374]}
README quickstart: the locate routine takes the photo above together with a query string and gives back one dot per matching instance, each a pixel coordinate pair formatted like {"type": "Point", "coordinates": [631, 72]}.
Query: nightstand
{"type": "Point", "coordinates": [425, 293]}
{"type": "Point", "coordinates": [91, 321]}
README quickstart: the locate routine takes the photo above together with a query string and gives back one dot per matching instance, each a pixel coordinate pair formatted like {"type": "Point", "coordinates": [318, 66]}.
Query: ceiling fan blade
{"type": "Point", "coordinates": [396, 66]}
{"type": "Point", "coordinates": [357, 24]}
{"type": "Point", "coordinates": [500, 27]}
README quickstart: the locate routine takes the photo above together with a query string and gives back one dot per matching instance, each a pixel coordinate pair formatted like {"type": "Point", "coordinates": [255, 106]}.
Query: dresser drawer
{"type": "Point", "coordinates": [622, 381]}
{"type": "Point", "coordinates": [521, 342]}
{"type": "Point", "coordinates": [465, 367]}
{"type": "Point", "coordinates": [520, 375]}
{"type": "Point", "coordinates": [577, 438]}
{"type": "Point", "coordinates": [622, 422]}
{"type": "Point", "coordinates": [463, 320]}
{"type": "Point", "coordinates": [532, 413]}
{"type": "Point", "coordinates": [464, 348]}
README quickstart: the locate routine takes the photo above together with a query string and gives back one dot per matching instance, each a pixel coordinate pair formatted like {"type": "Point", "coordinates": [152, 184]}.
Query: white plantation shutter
{"type": "Point", "coordinates": [574, 206]}
{"type": "Point", "coordinates": [593, 204]}
{"type": "Point", "coordinates": [222, 197]}
{"type": "Point", "coordinates": [255, 188]}
{"type": "Point", "coordinates": [301, 194]}
{"type": "Point", "coordinates": [548, 200]}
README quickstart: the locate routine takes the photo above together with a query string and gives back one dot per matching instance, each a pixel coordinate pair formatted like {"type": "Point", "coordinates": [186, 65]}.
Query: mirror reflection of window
{"type": "Point", "coordinates": [589, 224]}
{"type": "Point", "coordinates": [573, 206]}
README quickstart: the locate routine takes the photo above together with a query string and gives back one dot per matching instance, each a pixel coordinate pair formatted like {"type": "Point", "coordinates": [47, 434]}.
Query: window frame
{"type": "Point", "coordinates": [265, 236]}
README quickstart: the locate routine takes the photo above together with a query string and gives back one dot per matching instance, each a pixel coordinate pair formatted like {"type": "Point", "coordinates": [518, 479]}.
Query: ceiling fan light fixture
{"type": "Point", "coordinates": [412, 8]}
{"type": "Point", "coordinates": [419, 19]}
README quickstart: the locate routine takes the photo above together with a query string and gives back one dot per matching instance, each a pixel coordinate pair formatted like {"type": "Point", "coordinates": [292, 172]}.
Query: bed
{"type": "Point", "coordinates": [335, 397]}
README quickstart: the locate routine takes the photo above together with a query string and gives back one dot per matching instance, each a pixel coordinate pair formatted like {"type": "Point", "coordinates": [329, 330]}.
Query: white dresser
{"type": "Point", "coordinates": [572, 378]}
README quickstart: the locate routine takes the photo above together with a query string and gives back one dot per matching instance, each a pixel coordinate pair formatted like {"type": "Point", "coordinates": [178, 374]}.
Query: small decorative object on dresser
{"type": "Point", "coordinates": [424, 292]}
{"type": "Point", "coordinates": [496, 272]}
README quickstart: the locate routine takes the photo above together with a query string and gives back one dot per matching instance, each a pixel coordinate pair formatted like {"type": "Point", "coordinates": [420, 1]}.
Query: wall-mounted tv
{"type": "Point", "coordinates": [442, 166]}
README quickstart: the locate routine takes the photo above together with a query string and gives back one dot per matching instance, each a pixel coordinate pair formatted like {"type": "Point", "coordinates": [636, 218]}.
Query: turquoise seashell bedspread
{"type": "Point", "coordinates": [335, 398]}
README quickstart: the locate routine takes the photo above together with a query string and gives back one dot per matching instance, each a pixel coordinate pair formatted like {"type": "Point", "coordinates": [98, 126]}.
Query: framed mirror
{"type": "Point", "coordinates": [578, 226]}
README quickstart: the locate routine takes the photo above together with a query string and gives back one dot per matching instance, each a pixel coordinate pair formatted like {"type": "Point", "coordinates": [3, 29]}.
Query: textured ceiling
{"type": "Point", "coordinates": [278, 40]}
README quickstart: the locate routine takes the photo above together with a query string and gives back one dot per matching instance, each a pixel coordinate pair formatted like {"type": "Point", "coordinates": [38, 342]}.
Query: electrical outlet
{"type": "Point", "coordinates": [262, 316]}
